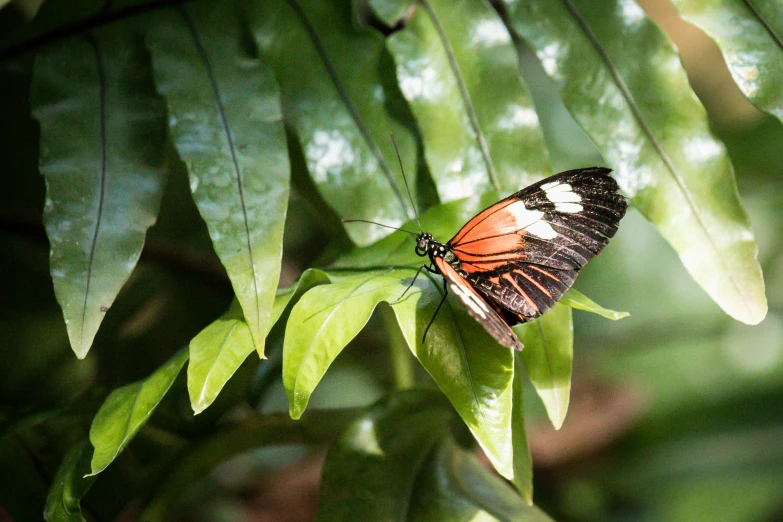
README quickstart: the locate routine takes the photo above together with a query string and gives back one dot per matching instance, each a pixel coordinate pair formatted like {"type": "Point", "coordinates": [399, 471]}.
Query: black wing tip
{"type": "Point", "coordinates": [572, 175]}
{"type": "Point", "coordinates": [592, 171]}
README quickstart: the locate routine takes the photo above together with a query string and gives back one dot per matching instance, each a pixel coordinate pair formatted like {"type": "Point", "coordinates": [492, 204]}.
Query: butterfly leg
{"type": "Point", "coordinates": [422, 267]}
{"type": "Point", "coordinates": [445, 294]}
{"type": "Point", "coordinates": [418, 272]}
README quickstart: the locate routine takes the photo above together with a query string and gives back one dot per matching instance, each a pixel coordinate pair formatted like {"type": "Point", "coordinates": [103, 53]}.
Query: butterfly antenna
{"type": "Point", "coordinates": [379, 224]}
{"type": "Point", "coordinates": [415, 212]}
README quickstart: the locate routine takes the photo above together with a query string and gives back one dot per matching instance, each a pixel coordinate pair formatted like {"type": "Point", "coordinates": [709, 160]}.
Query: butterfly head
{"type": "Point", "coordinates": [423, 243]}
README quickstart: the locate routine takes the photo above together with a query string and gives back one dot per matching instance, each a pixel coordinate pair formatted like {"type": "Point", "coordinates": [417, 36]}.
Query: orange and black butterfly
{"type": "Point", "coordinates": [514, 260]}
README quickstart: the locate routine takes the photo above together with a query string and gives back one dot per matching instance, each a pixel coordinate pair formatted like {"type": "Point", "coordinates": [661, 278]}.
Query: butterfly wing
{"type": "Point", "coordinates": [525, 251]}
{"type": "Point", "coordinates": [478, 307]}
{"type": "Point", "coordinates": [560, 222]}
{"type": "Point", "coordinates": [523, 289]}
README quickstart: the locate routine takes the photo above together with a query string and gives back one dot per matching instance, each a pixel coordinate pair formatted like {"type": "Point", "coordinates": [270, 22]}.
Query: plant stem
{"type": "Point", "coordinates": [400, 355]}
{"type": "Point", "coordinates": [263, 430]}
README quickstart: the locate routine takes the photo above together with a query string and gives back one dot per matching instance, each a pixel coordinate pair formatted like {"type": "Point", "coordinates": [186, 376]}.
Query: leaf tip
{"type": "Point", "coordinates": [751, 314]}
{"type": "Point", "coordinates": [81, 347]}
{"type": "Point", "coordinates": [95, 470]}
{"type": "Point", "coordinates": [556, 411]}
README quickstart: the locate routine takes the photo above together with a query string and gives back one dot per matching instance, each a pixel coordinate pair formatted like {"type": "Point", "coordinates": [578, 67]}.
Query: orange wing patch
{"type": "Point", "coordinates": [509, 216]}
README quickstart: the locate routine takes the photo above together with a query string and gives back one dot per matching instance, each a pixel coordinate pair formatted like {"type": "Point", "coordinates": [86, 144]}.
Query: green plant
{"type": "Point", "coordinates": [273, 118]}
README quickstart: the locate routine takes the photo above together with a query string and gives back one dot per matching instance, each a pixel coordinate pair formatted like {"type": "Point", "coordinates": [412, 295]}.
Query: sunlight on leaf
{"type": "Point", "coordinates": [226, 121]}
{"type": "Point", "coordinates": [458, 69]}
{"type": "Point", "coordinates": [215, 355]}
{"type": "Point", "coordinates": [548, 358]}
{"type": "Point", "coordinates": [340, 97]}
{"type": "Point", "coordinates": [323, 322]}
{"type": "Point", "coordinates": [468, 365]}
{"type": "Point", "coordinates": [642, 114]}
{"type": "Point", "coordinates": [284, 297]}
{"type": "Point", "coordinates": [101, 131]}
{"type": "Point", "coordinates": [576, 299]}
{"type": "Point", "coordinates": [750, 36]}
{"type": "Point", "coordinates": [126, 410]}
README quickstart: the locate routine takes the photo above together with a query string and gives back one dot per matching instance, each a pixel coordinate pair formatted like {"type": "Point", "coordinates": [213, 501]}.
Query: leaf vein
{"type": "Point", "coordinates": [675, 174]}
{"type": "Point", "coordinates": [545, 344]}
{"type": "Point", "coordinates": [449, 50]}
{"type": "Point", "coordinates": [223, 344]}
{"type": "Point", "coordinates": [201, 51]}
{"type": "Point", "coordinates": [753, 9]}
{"type": "Point", "coordinates": [346, 99]}
{"type": "Point", "coordinates": [102, 121]}
{"type": "Point", "coordinates": [463, 355]}
{"type": "Point", "coordinates": [326, 321]}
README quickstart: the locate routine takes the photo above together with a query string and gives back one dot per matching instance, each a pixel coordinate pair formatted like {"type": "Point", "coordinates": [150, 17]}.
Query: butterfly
{"type": "Point", "coordinates": [515, 259]}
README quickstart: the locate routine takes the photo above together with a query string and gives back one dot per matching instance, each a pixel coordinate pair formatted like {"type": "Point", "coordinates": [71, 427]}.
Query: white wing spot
{"type": "Point", "coordinates": [542, 229]}
{"type": "Point", "coordinates": [522, 217]}
{"type": "Point", "coordinates": [470, 299]}
{"type": "Point", "coordinates": [571, 208]}
{"type": "Point", "coordinates": [561, 193]}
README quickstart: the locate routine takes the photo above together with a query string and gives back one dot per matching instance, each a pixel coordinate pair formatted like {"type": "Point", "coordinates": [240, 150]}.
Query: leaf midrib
{"type": "Point", "coordinates": [326, 321]}
{"type": "Point", "coordinates": [101, 72]}
{"type": "Point", "coordinates": [348, 102]}
{"type": "Point", "coordinates": [464, 93]}
{"type": "Point", "coordinates": [679, 181]}
{"type": "Point", "coordinates": [551, 376]}
{"type": "Point", "coordinates": [215, 359]}
{"type": "Point", "coordinates": [774, 35]}
{"type": "Point", "coordinates": [202, 54]}
{"type": "Point", "coordinates": [463, 353]}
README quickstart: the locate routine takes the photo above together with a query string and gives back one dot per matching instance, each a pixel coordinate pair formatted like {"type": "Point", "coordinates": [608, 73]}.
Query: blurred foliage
{"type": "Point", "coordinates": [123, 114]}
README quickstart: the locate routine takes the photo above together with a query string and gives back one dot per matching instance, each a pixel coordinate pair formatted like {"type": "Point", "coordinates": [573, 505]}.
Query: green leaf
{"type": "Point", "coordinates": [442, 221]}
{"type": "Point", "coordinates": [219, 350]}
{"type": "Point", "coordinates": [69, 486]}
{"type": "Point", "coordinates": [127, 409]}
{"type": "Point", "coordinates": [226, 121]}
{"type": "Point", "coordinates": [472, 370]}
{"type": "Point", "coordinates": [576, 299]}
{"type": "Point", "coordinates": [750, 36]}
{"type": "Point", "coordinates": [523, 461]}
{"type": "Point", "coordinates": [455, 486]}
{"type": "Point", "coordinates": [101, 131]}
{"type": "Point", "coordinates": [370, 473]}
{"type": "Point", "coordinates": [459, 71]}
{"type": "Point", "coordinates": [640, 110]}
{"type": "Point", "coordinates": [324, 321]}
{"type": "Point", "coordinates": [340, 97]}
{"type": "Point", "coordinates": [286, 296]}
{"type": "Point", "coordinates": [470, 367]}
{"type": "Point", "coordinates": [548, 357]}
{"type": "Point", "coordinates": [215, 355]}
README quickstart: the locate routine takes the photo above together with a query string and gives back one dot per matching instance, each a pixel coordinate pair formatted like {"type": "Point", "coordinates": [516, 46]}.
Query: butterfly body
{"type": "Point", "coordinates": [515, 259]}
